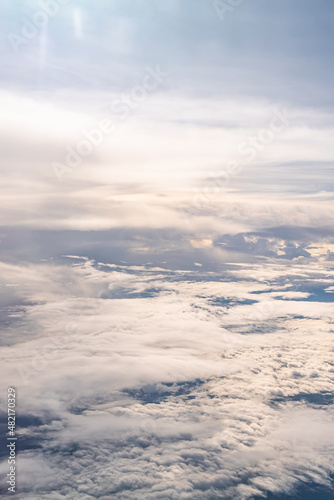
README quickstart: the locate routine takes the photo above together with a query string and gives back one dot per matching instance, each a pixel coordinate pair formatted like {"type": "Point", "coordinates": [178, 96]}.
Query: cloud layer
{"type": "Point", "coordinates": [156, 394]}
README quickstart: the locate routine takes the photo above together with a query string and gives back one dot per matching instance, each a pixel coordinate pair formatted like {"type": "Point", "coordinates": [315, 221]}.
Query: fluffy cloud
{"type": "Point", "coordinates": [157, 394]}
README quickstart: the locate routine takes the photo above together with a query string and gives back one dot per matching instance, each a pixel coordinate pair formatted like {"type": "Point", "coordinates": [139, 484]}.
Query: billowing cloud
{"type": "Point", "coordinates": [157, 394]}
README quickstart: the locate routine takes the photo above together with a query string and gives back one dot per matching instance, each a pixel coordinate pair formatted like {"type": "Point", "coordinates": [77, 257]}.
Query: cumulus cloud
{"type": "Point", "coordinates": [157, 394]}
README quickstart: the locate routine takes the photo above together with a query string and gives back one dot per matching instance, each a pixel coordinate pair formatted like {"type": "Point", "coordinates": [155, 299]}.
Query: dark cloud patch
{"type": "Point", "coordinates": [262, 245]}
{"type": "Point", "coordinates": [228, 303]}
{"type": "Point", "coordinates": [300, 234]}
{"type": "Point", "coordinates": [124, 293]}
{"type": "Point", "coordinates": [308, 492]}
{"type": "Point", "coordinates": [165, 248]}
{"type": "Point", "coordinates": [161, 392]}
{"type": "Point", "coordinates": [316, 399]}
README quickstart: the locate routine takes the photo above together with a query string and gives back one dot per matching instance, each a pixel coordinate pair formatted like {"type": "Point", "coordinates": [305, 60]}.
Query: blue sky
{"type": "Point", "coordinates": [280, 50]}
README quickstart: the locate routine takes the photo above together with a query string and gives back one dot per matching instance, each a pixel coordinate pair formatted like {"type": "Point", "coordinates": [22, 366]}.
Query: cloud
{"type": "Point", "coordinates": [150, 395]}
{"type": "Point", "coordinates": [165, 288]}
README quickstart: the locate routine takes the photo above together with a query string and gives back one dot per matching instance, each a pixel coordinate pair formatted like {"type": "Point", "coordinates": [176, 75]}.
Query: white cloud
{"type": "Point", "coordinates": [148, 396]}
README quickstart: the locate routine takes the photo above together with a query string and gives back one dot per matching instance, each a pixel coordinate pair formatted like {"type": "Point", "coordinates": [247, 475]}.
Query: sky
{"type": "Point", "coordinates": [167, 248]}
